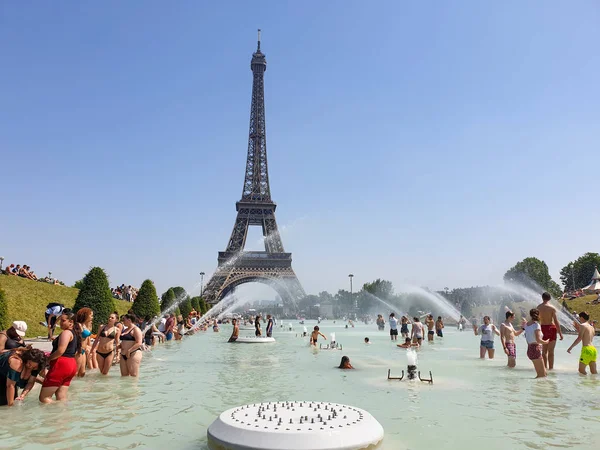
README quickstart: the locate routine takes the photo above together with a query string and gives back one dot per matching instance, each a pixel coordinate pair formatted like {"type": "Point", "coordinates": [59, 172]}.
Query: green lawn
{"type": "Point", "coordinates": [27, 301]}
{"type": "Point", "coordinates": [579, 304]}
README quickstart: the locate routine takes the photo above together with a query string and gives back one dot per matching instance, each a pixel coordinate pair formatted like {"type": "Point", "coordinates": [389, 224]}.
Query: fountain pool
{"type": "Point", "coordinates": [185, 385]}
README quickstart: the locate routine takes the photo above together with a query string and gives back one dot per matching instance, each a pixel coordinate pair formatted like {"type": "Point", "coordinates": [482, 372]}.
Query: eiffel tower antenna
{"type": "Point", "coordinates": [272, 266]}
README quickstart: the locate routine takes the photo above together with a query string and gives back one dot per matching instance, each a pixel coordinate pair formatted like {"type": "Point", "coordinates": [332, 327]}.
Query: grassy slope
{"type": "Point", "coordinates": [27, 301]}
{"type": "Point", "coordinates": [579, 304]}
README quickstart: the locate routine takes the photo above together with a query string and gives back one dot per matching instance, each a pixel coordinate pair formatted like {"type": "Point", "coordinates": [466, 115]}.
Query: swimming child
{"type": "Point", "coordinates": [236, 331]}
{"type": "Point", "coordinates": [407, 344]}
{"type": "Point", "coordinates": [216, 326]}
{"type": "Point", "coordinates": [589, 353]}
{"type": "Point", "coordinates": [345, 363]}
{"type": "Point", "coordinates": [315, 335]}
{"type": "Point", "coordinates": [507, 337]}
{"type": "Point", "coordinates": [487, 331]}
{"type": "Point", "coordinates": [367, 340]}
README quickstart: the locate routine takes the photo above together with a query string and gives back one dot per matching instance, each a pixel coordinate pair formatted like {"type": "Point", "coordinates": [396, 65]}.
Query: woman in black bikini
{"type": "Point", "coordinates": [104, 345]}
{"type": "Point", "coordinates": [131, 347]}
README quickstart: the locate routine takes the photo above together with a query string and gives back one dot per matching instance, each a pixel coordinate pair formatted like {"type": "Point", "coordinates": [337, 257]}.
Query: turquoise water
{"type": "Point", "coordinates": [185, 385]}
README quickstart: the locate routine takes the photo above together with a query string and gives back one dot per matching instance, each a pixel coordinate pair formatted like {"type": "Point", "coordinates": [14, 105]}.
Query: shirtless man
{"type": "Point", "coordinates": [430, 324]}
{"type": "Point", "coordinates": [236, 331]}
{"type": "Point", "coordinates": [588, 351]}
{"type": "Point", "coordinates": [315, 335]}
{"type": "Point", "coordinates": [439, 327]}
{"type": "Point", "coordinates": [507, 337]}
{"type": "Point", "coordinates": [550, 327]}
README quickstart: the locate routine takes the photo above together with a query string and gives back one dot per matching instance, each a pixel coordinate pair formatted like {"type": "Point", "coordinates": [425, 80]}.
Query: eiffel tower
{"type": "Point", "coordinates": [256, 208]}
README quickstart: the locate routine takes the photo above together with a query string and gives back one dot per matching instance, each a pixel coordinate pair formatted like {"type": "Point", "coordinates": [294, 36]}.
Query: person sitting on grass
{"type": "Point", "coordinates": [10, 270]}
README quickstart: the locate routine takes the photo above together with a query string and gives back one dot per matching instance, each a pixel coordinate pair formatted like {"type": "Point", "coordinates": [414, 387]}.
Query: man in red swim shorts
{"type": "Point", "coordinates": [550, 329]}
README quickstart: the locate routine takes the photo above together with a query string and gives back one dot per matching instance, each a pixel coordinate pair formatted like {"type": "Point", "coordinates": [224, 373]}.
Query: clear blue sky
{"type": "Point", "coordinates": [432, 143]}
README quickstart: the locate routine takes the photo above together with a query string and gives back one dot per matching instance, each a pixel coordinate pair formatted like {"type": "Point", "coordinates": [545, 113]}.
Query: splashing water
{"type": "Point", "coordinates": [411, 357]}
{"type": "Point", "coordinates": [438, 300]}
{"type": "Point", "coordinates": [533, 299]}
{"type": "Point", "coordinates": [390, 307]}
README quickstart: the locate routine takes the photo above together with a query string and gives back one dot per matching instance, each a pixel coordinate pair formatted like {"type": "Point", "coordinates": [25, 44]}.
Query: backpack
{"type": "Point", "coordinates": [53, 304]}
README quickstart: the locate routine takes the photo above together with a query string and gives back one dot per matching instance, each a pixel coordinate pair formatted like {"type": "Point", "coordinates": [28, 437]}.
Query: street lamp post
{"type": "Point", "coordinates": [202, 283]}
{"type": "Point", "coordinates": [351, 296]}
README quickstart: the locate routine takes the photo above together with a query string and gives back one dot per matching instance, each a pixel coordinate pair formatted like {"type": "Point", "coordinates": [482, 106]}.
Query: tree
{"type": "Point", "coordinates": [95, 294]}
{"type": "Point", "coordinates": [185, 307]}
{"type": "Point", "coordinates": [379, 288]}
{"type": "Point", "coordinates": [532, 272]}
{"type": "Point", "coordinates": [203, 306]}
{"type": "Point", "coordinates": [196, 303]}
{"type": "Point", "coordinates": [78, 284]}
{"type": "Point", "coordinates": [167, 300]}
{"type": "Point", "coordinates": [146, 302]}
{"type": "Point", "coordinates": [180, 293]}
{"type": "Point", "coordinates": [3, 311]}
{"type": "Point", "coordinates": [581, 270]}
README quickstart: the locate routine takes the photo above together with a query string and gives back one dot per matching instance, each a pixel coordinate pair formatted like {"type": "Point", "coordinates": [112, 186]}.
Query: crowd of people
{"type": "Point", "coordinates": [25, 271]}
{"type": "Point", "coordinates": [541, 333]}
{"type": "Point", "coordinates": [123, 292]}
{"type": "Point", "coordinates": [121, 341]}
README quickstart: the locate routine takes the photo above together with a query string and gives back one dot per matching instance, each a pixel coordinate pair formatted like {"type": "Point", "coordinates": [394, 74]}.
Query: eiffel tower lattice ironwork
{"type": "Point", "coordinates": [256, 208]}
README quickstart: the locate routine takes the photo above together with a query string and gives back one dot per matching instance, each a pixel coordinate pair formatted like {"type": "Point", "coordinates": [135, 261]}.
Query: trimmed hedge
{"type": "Point", "coordinates": [185, 307]}
{"type": "Point", "coordinates": [196, 303]}
{"type": "Point", "coordinates": [3, 311]}
{"type": "Point", "coordinates": [167, 300]}
{"type": "Point", "coordinates": [95, 294]}
{"type": "Point", "coordinates": [146, 302]}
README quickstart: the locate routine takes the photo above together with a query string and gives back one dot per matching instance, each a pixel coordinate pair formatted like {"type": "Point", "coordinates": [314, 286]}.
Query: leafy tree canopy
{"type": "Point", "coordinates": [581, 271]}
{"type": "Point", "coordinates": [380, 288]}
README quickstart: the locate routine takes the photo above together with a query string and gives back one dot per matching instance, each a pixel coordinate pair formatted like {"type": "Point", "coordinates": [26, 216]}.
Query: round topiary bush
{"type": "Point", "coordinates": [146, 302]}
{"type": "Point", "coordinates": [185, 307]}
{"type": "Point", "coordinates": [196, 303]}
{"type": "Point", "coordinates": [95, 294]}
{"type": "Point", "coordinates": [167, 300]}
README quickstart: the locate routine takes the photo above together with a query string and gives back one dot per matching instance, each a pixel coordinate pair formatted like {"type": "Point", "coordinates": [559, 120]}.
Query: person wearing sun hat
{"type": "Point", "coordinates": [13, 337]}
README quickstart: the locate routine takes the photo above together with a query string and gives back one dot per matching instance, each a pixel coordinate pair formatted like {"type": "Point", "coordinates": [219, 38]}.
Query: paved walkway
{"type": "Point", "coordinates": [40, 342]}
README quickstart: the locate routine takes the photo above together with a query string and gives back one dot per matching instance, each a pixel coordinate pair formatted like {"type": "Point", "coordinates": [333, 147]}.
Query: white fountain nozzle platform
{"type": "Point", "coordinates": [294, 425]}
